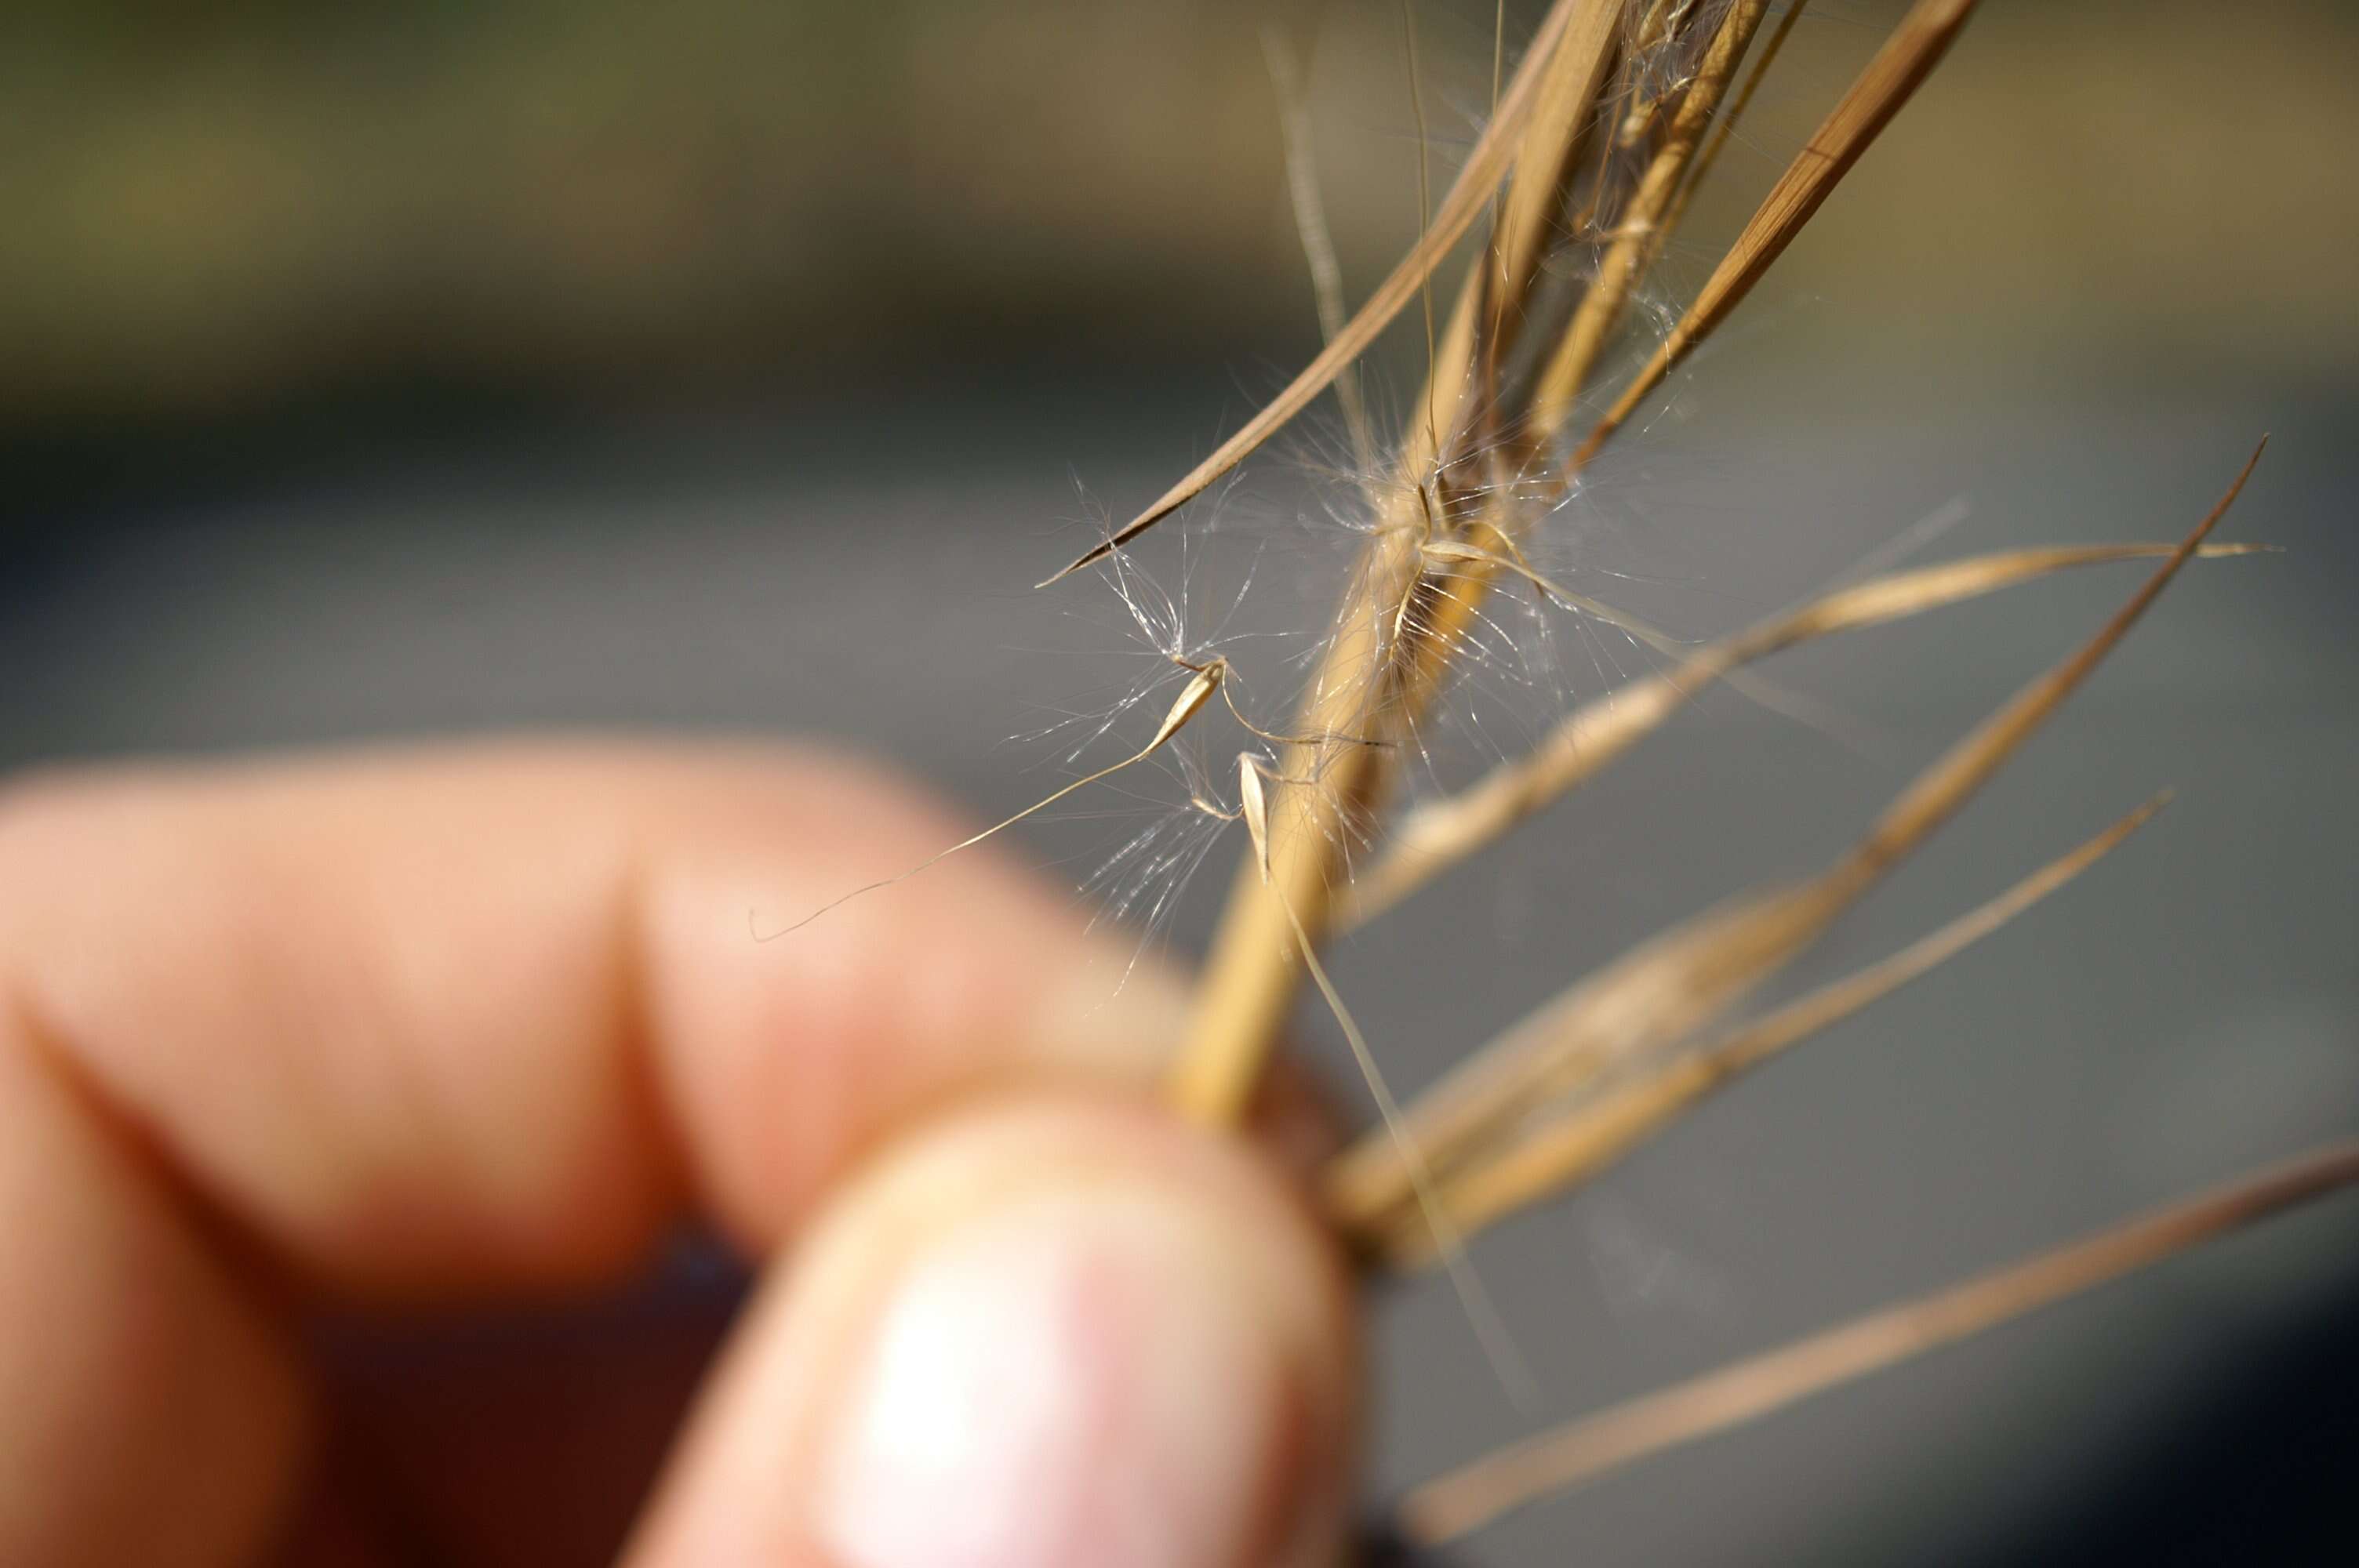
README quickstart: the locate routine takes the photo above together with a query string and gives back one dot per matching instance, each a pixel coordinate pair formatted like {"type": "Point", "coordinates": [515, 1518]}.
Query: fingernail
{"type": "Point", "coordinates": [1076, 1381]}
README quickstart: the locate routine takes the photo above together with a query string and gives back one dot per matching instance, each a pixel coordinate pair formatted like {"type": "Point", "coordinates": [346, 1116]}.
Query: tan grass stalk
{"type": "Point", "coordinates": [1432, 838]}
{"type": "Point", "coordinates": [1403, 619]}
{"type": "Point", "coordinates": [1479, 1493]}
{"type": "Point", "coordinates": [1554, 145]}
{"type": "Point", "coordinates": [1648, 999]}
{"type": "Point", "coordinates": [1640, 231]}
{"type": "Point", "coordinates": [1466, 199]}
{"type": "Point", "coordinates": [1944, 787]}
{"type": "Point", "coordinates": [1674, 984]}
{"type": "Point", "coordinates": [1249, 976]}
{"type": "Point", "coordinates": [1390, 655]}
{"type": "Point", "coordinates": [1318, 241]}
{"type": "Point", "coordinates": [1569, 1150]}
{"type": "Point", "coordinates": [1908, 58]}
{"type": "Point", "coordinates": [1710, 156]}
{"type": "Point", "coordinates": [1609, 125]}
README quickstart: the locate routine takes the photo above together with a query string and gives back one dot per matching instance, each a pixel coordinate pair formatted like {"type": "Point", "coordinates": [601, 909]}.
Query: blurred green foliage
{"type": "Point", "coordinates": [213, 205]}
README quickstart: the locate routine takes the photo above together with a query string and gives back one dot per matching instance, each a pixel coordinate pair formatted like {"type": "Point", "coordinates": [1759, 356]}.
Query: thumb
{"type": "Point", "coordinates": [1053, 1333]}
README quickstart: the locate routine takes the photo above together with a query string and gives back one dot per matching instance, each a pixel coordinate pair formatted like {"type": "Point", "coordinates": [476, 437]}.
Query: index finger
{"type": "Point", "coordinates": [438, 1024]}
{"type": "Point", "coordinates": [478, 1018]}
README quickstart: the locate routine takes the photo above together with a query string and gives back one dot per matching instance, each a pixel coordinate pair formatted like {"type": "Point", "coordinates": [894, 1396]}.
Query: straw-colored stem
{"type": "Point", "coordinates": [1662, 991]}
{"type": "Point", "coordinates": [1395, 638]}
{"type": "Point", "coordinates": [1250, 976]}
{"type": "Point", "coordinates": [1706, 160]}
{"type": "Point", "coordinates": [1573, 1149]}
{"type": "Point", "coordinates": [1466, 201]}
{"type": "Point", "coordinates": [1640, 229]}
{"type": "Point", "coordinates": [1650, 999]}
{"type": "Point", "coordinates": [1445, 832]}
{"type": "Point", "coordinates": [1469, 1498]}
{"type": "Point", "coordinates": [1318, 240]}
{"type": "Point", "coordinates": [1908, 57]}
{"type": "Point", "coordinates": [1552, 146]}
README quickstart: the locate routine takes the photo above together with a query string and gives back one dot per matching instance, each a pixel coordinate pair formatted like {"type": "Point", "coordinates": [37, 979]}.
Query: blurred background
{"type": "Point", "coordinates": [375, 370]}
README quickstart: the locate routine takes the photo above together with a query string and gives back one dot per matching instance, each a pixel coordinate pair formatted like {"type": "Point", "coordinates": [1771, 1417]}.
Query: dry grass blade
{"type": "Point", "coordinates": [1465, 200]}
{"type": "Point", "coordinates": [1473, 1496]}
{"type": "Point", "coordinates": [1424, 208]}
{"type": "Point", "coordinates": [1513, 561]}
{"type": "Point", "coordinates": [1909, 56]}
{"type": "Point", "coordinates": [1560, 1154]}
{"type": "Point", "coordinates": [1641, 230]}
{"type": "Point", "coordinates": [1393, 640]}
{"type": "Point", "coordinates": [1944, 786]}
{"type": "Point", "coordinates": [1677, 982]}
{"type": "Point", "coordinates": [1648, 999]}
{"type": "Point", "coordinates": [1318, 241]}
{"type": "Point", "coordinates": [1441, 834]}
{"type": "Point", "coordinates": [1720, 133]}
{"type": "Point", "coordinates": [1552, 141]}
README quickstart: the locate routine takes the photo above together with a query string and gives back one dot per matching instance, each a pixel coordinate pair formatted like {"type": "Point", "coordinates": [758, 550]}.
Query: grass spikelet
{"type": "Point", "coordinates": [1255, 806]}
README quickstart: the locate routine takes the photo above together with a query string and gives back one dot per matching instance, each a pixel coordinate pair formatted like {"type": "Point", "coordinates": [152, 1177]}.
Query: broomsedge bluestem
{"type": "Point", "coordinates": [1560, 337]}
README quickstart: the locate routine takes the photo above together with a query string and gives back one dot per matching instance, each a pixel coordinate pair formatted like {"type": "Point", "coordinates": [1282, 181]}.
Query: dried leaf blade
{"type": "Point", "coordinates": [1478, 1494]}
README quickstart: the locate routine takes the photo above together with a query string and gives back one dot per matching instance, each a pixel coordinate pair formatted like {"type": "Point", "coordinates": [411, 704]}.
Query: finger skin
{"type": "Point", "coordinates": [1180, 1391]}
{"type": "Point", "coordinates": [452, 1021]}
{"type": "Point", "coordinates": [149, 1412]}
{"type": "Point", "coordinates": [442, 1026]}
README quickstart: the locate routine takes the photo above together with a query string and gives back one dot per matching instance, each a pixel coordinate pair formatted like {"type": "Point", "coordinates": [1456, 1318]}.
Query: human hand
{"type": "Point", "coordinates": [444, 1030]}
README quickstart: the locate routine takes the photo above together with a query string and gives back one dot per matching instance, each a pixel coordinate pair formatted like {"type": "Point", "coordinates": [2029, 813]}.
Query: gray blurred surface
{"type": "Point", "coordinates": [2189, 1009]}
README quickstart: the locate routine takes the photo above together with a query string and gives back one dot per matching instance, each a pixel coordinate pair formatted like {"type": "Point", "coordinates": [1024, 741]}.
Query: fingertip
{"type": "Point", "coordinates": [1061, 1331]}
